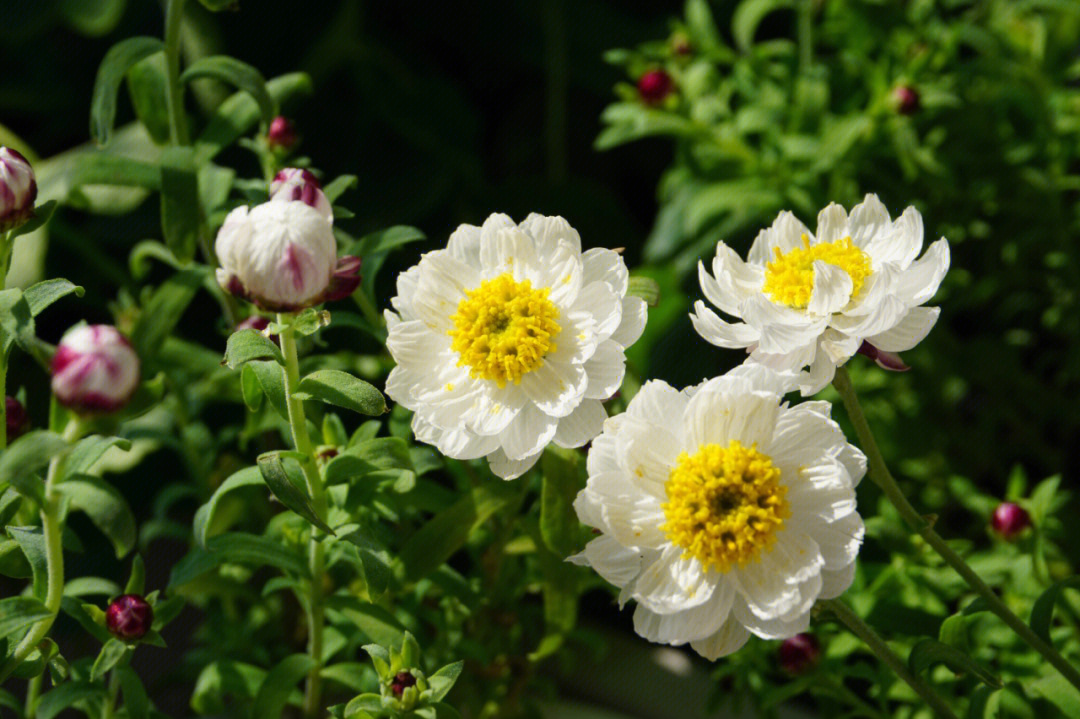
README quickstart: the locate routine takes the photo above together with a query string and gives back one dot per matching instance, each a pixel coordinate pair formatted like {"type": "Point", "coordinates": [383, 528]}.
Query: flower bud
{"type": "Point", "coordinates": [1009, 520]}
{"type": "Point", "coordinates": [17, 420]}
{"type": "Point", "coordinates": [281, 134]}
{"type": "Point", "coordinates": [885, 360]}
{"type": "Point", "coordinates": [680, 44]}
{"type": "Point", "coordinates": [255, 322]}
{"type": "Point", "coordinates": [129, 617]}
{"type": "Point", "coordinates": [294, 184]}
{"type": "Point", "coordinates": [906, 99]}
{"type": "Point", "coordinates": [654, 86]}
{"type": "Point", "coordinates": [94, 369]}
{"type": "Point", "coordinates": [18, 189]}
{"type": "Point", "coordinates": [401, 682]}
{"type": "Point", "coordinates": [799, 654]}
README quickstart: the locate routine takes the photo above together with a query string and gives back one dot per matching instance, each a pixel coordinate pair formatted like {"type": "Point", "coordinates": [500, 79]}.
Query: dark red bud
{"type": "Point", "coordinates": [129, 617]}
{"type": "Point", "coordinates": [402, 681]}
{"type": "Point", "coordinates": [799, 654]}
{"type": "Point", "coordinates": [255, 322]}
{"type": "Point", "coordinates": [654, 86]}
{"type": "Point", "coordinates": [17, 420]}
{"type": "Point", "coordinates": [907, 100]}
{"type": "Point", "coordinates": [885, 360]}
{"type": "Point", "coordinates": [1009, 520]}
{"type": "Point", "coordinates": [345, 280]}
{"type": "Point", "coordinates": [282, 133]}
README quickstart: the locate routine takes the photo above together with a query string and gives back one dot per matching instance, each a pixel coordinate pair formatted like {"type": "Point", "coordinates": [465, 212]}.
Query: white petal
{"type": "Point", "coordinates": [555, 387]}
{"type": "Point", "coordinates": [832, 289]}
{"type": "Point", "coordinates": [868, 219]}
{"type": "Point", "coordinates": [528, 433]}
{"type": "Point", "coordinates": [634, 316]}
{"type": "Point", "coordinates": [762, 378]}
{"type": "Point", "coordinates": [510, 468]}
{"type": "Point", "coordinates": [718, 418]}
{"type": "Point", "coordinates": [464, 244]}
{"type": "Point", "coordinates": [442, 286]}
{"type": "Point", "coordinates": [551, 231]}
{"type": "Point", "coordinates": [660, 404]}
{"type": "Point", "coordinates": [493, 409]}
{"type": "Point", "coordinates": [606, 369]}
{"type": "Point", "coordinates": [414, 343]}
{"type": "Point", "coordinates": [603, 454]}
{"type": "Point", "coordinates": [648, 453]}
{"type": "Point", "coordinates": [883, 317]}
{"type": "Point", "coordinates": [673, 584]}
{"type": "Point", "coordinates": [691, 625]}
{"type": "Point", "coordinates": [832, 224]}
{"type": "Point", "coordinates": [833, 584]}
{"type": "Point", "coordinates": [581, 425]}
{"type": "Point", "coordinates": [720, 333]}
{"type": "Point", "coordinates": [838, 541]}
{"type": "Point", "coordinates": [909, 332]}
{"type": "Point", "coordinates": [730, 638]}
{"type": "Point", "coordinates": [601, 264]}
{"type": "Point", "coordinates": [919, 282]}
{"type": "Point", "coordinates": [785, 234]}
{"type": "Point", "coordinates": [617, 564]}
{"type": "Point", "coordinates": [509, 250]}
{"type": "Point", "coordinates": [900, 243]}
{"type": "Point", "coordinates": [605, 306]}
{"type": "Point", "coordinates": [769, 584]}
{"type": "Point", "coordinates": [783, 329]}
{"type": "Point", "coordinates": [631, 516]}
{"type": "Point", "coordinates": [459, 443]}
{"type": "Point", "coordinates": [770, 628]}
{"type": "Point", "coordinates": [821, 372]}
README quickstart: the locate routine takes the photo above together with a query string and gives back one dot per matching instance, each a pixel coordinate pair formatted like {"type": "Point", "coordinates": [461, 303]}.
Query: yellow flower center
{"type": "Point", "coordinates": [724, 505]}
{"type": "Point", "coordinates": [503, 329]}
{"type": "Point", "coordinates": [789, 279]}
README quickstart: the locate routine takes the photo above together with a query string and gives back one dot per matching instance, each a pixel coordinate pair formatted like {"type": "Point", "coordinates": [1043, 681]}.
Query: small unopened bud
{"type": "Point", "coordinates": [906, 99]}
{"type": "Point", "coordinates": [94, 369]}
{"type": "Point", "coordinates": [654, 86]}
{"type": "Point", "coordinates": [255, 322]}
{"type": "Point", "coordinates": [281, 134]}
{"type": "Point", "coordinates": [799, 654]}
{"type": "Point", "coordinates": [18, 189]}
{"type": "Point", "coordinates": [294, 184]}
{"type": "Point", "coordinates": [129, 617]}
{"type": "Point", "coordinates": [680, 44]}
{"type": "Point", "coordinates": [401, 682]}
{"type": "Point", "coordinates": [1009, 520]}
{"type": "Point", "coordinates": [17, 420]}
{"type": "Point", "coordinates": [885, 360]}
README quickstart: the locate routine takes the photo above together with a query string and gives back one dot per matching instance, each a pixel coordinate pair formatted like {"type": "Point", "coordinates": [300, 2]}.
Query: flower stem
{"type": "Point", "coordinates": [878, 646]}
{"type": "Point", "coordinates": [880, 475]}
{"type": "Point", "coordinates": [52, 528]}
{"type": "Point", "coordinates": [316, 561]}
{"type": "Point", "coordinates": [7, 243]}
{"type": "Point", "coordinates": [174, 98]}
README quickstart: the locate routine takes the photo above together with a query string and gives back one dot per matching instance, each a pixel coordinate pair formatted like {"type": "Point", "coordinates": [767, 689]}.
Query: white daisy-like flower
{"type": "Point", "coordinates": [511, 338]}
{"type": "Point", "coordinates": [723, 511]}
{"type": "Point", "coordinates": [813, 300]}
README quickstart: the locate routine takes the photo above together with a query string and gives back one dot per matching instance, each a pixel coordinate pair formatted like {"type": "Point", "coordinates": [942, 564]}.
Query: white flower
{"type": "Point", "coordinates": [294, 184]}
{"type": "Point", "coordinates": [509, 339]}
{"type": "Point", "coordinates": [94, 369]}
{"type": "Point", "coordinates": [18, 189]}
{"type": "Point", "coordinates": [810, 300]}
{"type": "Point", "coordinates": [722, 511]}
{"type": "Point", "coordinates": [283, 257]}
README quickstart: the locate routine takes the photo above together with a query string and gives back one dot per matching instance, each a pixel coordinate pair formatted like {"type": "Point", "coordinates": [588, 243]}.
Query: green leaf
{"type": "Point", "coordinates": [250, 388]}
{"type": "Point", "coordinates": [136, 702]}
{"type": "Point", "coordinates": [378, 624]}
{"type": "Point", "coordinates": [646, 288]}
{"type": "Point", "coordinates": [110, 654]}
{"type": "Point", "coordinates": [374, 559]}
{"type": "Point", "coordinates": [443, 680]}
{"type": "Point", "coordinates": [42, 214]}
{"type": "Point", "coordinates": [272, 381]}
{"type": "Point", "coordinates": [148, 88]}
{"type": "Point", "coordinates": [220, 679]}
{"type": "Point", "coordinates": [163, 311]}
{"type": "Point", "coordinates": [247, 345]}
{"type": "Point", "coordinates": [94, 18]}
{"type": "Point", "coordinates": [136, 583]}
{"type": "Point", "coordinates": [43, 294]}
{"type": "Point", "coordinates": [204, 516]}
{"type": "Point", "coordinates": [701, 26]}
{"type": "Point", "coordinates": [1057, 690]}
{"type": "Point", "coordinates": [37, 660]}
{"type": "Point", "coordinates": [928, 652]}
{"type": "Point", "coordinates": [82, 614]}
{"type": "Point", "coordinates": [219, 5]}
{"type": "Point", "coordinates": [1042, 612]}
{"type": "Point", "coordinates": [102, 168]}
{"type": "Point", "coordinates": [343, 390]}
{"type": "Point", "coordinates": [748, 15]}
{"type": "Point", "coordinates": [333, 190]}
{"type": "Point", "coordinates": [559, 524]}
{"type": "Point", "coordinates": [279, 683]}
{"type": "Point", "coordinates": [180, 203]}
{"type": "Point", "coordinates": [296, 499]}
{"type": "Point", "coordinates": [86, 586]}
{"type": "Point", "coordinates": [89, 450]}
{"type": "Point", "coordinates": [21, 462]}
{"type": "Point", "coordinates": [375, 247]}
{"type": "Point", "coordinates": [238, 74]}
{"type": "Point", "coordinates": [241, 548]}
{"type": "Point", "coordinates": [105, 506]}
{"type": "Point", "coordinates": [118, 60]}
{"type": "Point", "coordinates": [17, 613]}
{"type": "Point", "coordinates": [64, 696]}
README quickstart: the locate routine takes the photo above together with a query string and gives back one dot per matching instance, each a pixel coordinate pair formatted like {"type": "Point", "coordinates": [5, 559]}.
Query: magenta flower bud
{"type": "Point", "coordinates": [18, 189]}
{"type": "Point", "coordinates": [654, 86]}
{"type": "Point", "coordinates": [255, 322]}
{"type": "Point", "coordinates": [1009, 520]}
{"type": "Point", "coordinates": [294, 184]}
{"type": "Point", "coordinates": [799, 654]}
{"type": "Point", "coordinates": [17, 420]}
{"type": "Point", "coordinates": [885, 360]}
{"type": "Point", "coordinates": [129, 617]}
{"type": "Point", "coordinates": [401, 682]}
{"type": "Point", "coordinates": [906, 99]}
{"type": "Point", "coordinates": [281, 134]}
{"type": "Point", "coordinates": [94, 369]}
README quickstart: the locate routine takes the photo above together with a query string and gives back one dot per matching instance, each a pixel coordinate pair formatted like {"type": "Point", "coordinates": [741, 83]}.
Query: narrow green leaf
{"type": "Point", "coordinates": [180, 203]}
{"type": "Point", "coordinates": [1042, 612]}
{"type": "Point", "coordinates": [105, 506]}
{"type": "Point", "coordinates": [110, 654]}
{"type": "Point", "coordinates": [81, 613]}
{"type": "Point", "coordinates": [87, 586]}
{"type": "Point", "coordinates": [272, 381]}
{"type": "Point", "coordinates": [343, 390]}
{"type": "Point", "coordinates": [27, 456]}
{"type": "Point", "coordinates": [279, 683]}
{"type": "Point", "coordinates": [333, 190]}
{"type": "Point", "coordinates": [147, 88]}
{"type": "Point", "coordinates": [136, 583]}
{"type": "Point", "coordinates": [163, 311]}
{"type": "Point", "coordinates": [256, 550]}
{"type": "Point", "coordinates": [89, 450]}
{"type": "Point", "coordinates": [136, 703]}
{"type": "Point", "coordinates": [378, 624]}
{"type": "Point", "coordinates": [37, 660]}
{"type": "Point", "coordinates": [559, 524]}
{"type": "Point", "coordinates": [42, 214]}
{"type": "Point", "coordinates": [374, 559]}
{"type": "Point", "coordinates": [102, 168]}
{"type": "Point", "coordinates": [64, 696]}
{"type": "Point", "coordinates": [247, 345]}
{"type": "Point", "coordinates": [928, 652]}
{"type": "Point", "coordinates": [443, 680]}
{"type": "Point", "coordinates": [238, 74]}
{"type": "Point", "coordinates": [289, 494]}
{"type": "Point", "coordinates": [32, 543]}
{"type": "Point", "coordinates": [644, 287]}
{"type": "Point", "coordinates": [748, 15]}
{"type": "Point", "coordinates": [1057, 690]}
{"type": "Point", "coordinates": [43, 294]}
{"type": "Point", "coordinates": [204, 516]}
{"type": "Point", "coordinates": [250, 388]}
{"type": "Point", "coordinates": [118, 60]}
{"type": "Point", "coordinates": [17, 613]}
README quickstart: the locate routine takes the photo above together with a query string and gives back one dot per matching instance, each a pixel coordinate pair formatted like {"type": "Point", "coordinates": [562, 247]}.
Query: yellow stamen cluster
{"type": "Point", "coordinates": [789, 279]}
{"type": "Point", "coordinates": [724, 505]}
{"type": "Point", "coordinates": [503, 329]}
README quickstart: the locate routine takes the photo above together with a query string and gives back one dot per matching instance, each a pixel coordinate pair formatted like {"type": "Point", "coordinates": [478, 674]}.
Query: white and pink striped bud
{"type": "Point", "coordinates": [283, 257]}
{"type": "Point", "coordinates": [94, 369]}
{"type": "Point", "coordinates": [18, 189]}
{"type": "Point", "coordinates": [294, 184]}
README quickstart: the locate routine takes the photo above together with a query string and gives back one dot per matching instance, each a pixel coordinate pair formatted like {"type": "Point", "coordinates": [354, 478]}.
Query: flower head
{"type": "Point", "coordinates": [654, 86]}
{"type": "Point", "coordinates": [294, 184]}
{"type": "Point", "coordinates": [283, 257]}
{"type": "Point", "coordinates": [281, 133]}
{"type": "Point", "coordinates": [799, 654]}
{"type": "Point", "coordinates": [17, 420]}
{"type": "Point", "coordinates": [18, 189]}
{"type": "Point", "coordinates": [401, 682]}
{"type": "Point", "coordinates": [906, 99]}
{"type": "Point", "coordinates": [809, 300]}
{"type": "Point", "coordinates": [1010, 520]}
{"type": "Point", "coordinates": [510, 338]}
{"type": "Point", "coordinates": [129, 617]}
{"type": "Point", "coordinates": [94, 369]}
{"type": "Point", "coordinates": [722, 510]}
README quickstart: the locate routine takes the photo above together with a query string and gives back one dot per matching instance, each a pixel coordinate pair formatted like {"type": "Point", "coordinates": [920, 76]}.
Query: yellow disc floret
{"type": "Point", "coordinates": [503, 329]}
{"type": "Point", "coordinates": [724, 505]}
{"type": "Point", "coordinates": [789, 279]}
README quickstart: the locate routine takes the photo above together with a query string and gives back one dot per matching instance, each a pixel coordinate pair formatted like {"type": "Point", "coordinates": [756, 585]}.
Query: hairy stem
{"type": "Point", "coordinates": [880, 649]}
{"type": "Point", "coordinates": [174, 98]}
{"type": "Point", "coordinates": [316, 561]}
{"type": "Point", "coordinates": [880, 475]}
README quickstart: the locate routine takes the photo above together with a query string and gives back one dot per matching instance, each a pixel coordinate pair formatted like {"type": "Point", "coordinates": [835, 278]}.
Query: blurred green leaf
{"type": "Point", "coordinates": [238, 74]}
{"type": "Point", "coordinates": [288, 493]}
{"type": "Point", "coordinates": [117, 62]}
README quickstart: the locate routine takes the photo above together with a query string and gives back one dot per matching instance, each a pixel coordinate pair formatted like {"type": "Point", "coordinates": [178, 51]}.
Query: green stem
{"type": "Point", "coordinates": [316, 561]}
{"type": "Point", "coordinates": [52, 528]}
{"type": "Point", "coordinates": [7, 244]}
{"type": "Point", "coordinates": [878, 646]}
{"type": "Point", "coordinates": [880, 475]}
{"type": "Point", "coordinates": [174, 98]}
{"type": "Point", "coordinates": [839, 690]}
{"type": "Point", "coordinates": [33, 689]}
{"type": "Point", "coordinates": [805, 30]}
{"type": "Point", "coordinates": [108, 707]}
